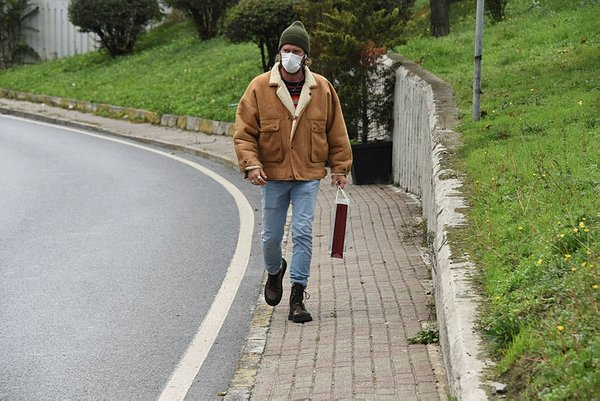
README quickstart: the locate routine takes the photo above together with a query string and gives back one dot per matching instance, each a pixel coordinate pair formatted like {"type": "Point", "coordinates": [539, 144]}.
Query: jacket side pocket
{"type": "Point", "coordinates": [318, 141]}
{"type": "Point", "coordinates": [270, 141]}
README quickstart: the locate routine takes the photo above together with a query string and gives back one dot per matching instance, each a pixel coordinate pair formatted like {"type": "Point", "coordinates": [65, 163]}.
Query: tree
{"type": "Point", "coordinates": [118, 23]}
{"type": "Point", "coordinates": [206, 14]}
{"type": "Point", "coordinates": [440, 17]}
{"type": "Point", "coordinates": [12, 46]}
{"type": "Point", "coordinates": [348, 41]}
{"type": "Point", "coordinates": [261, 22]}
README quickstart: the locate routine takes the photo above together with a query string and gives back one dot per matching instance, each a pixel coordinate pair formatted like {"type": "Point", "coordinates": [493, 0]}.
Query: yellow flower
{"type": "Point", "coordinates": [583, 264]}
{"type": "Point", "coordinates": [580, 102]}
{"type": "Point", "coordinates": [560, 328]}
{"type": "Point", "coordinates": [573, 269]}
{"type": "Point", "coordinates": [567, 256]}
{"type": "Point", "coordinates": [581, 224]}
{"type": "Point", "coordinates": [595, 286]}
{"type": "Point", "coordinates": [520, 227]}
{"type": "Point", "coordinates": [561, 235]}
{"type": "Point", "coordinates": [575, 229]}
{"type": "Point", "coordinates": [539, 262]}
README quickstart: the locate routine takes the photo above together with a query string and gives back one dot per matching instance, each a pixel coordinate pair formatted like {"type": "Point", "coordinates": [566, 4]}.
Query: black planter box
{"type": "Point", "coordinates": [372, 163]}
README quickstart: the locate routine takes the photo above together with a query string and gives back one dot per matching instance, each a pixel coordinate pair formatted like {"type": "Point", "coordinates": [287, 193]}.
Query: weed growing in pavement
{"type": "Point", "coordinates": [427, 336]}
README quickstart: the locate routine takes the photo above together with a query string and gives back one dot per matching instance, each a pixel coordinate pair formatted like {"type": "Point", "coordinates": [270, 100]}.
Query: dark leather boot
{"type": "Point", "coordinates": [298, 313]}
{"type": "Point", "coordinates": [274, 286]}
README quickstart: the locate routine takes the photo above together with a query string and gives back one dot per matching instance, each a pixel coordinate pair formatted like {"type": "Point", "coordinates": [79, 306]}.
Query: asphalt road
{"type": "Point", "coordinates": [110, 259]}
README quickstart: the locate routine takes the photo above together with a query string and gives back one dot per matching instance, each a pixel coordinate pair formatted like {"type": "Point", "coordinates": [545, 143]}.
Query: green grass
{"type": "Point", "coordinates": [533, 178]}
{"type": "Point", "coordinates": [534, 187]}
{"type": "Point", "coordinates": [171, 73]}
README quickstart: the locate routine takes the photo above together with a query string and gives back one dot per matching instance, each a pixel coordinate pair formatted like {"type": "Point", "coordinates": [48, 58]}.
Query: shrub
{"type": "Point", "coordinates": [348, 41]}
{"type": "Point", "coordinates": [260, 22]}
{"type": "Point", "coordinates": [118, 23]}
{"type": "Point", "coordinates": [206, 14]}
{"type": "Point", "coordinates": [12, 45]}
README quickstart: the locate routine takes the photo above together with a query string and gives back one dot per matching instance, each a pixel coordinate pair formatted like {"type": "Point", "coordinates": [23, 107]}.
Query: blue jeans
{"type": "Point", "coordinates": [276, 197]}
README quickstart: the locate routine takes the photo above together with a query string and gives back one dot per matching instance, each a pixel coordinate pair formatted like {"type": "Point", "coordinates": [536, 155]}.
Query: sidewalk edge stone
{"type": "Point", "coordinates": [189, 123]}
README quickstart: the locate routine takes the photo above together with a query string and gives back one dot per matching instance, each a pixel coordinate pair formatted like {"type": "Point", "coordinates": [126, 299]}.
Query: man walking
{"type": "Point", "coordinates": [288, 124]}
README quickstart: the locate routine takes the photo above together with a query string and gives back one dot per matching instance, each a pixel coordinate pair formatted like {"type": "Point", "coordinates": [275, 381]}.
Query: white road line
{"type": "Point", "coordinates": [191, 362]}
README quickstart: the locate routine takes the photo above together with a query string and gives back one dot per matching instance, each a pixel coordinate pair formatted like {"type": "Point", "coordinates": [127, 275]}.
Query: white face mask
{"type": "Point", "coordinates": [291, 62]}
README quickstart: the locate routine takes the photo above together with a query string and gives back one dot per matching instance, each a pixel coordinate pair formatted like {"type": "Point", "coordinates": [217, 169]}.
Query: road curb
{"type": "Point", "coordinates": [90, 127]}
{"type": "Point", "coordinates": [190, 123]}
{"type": "Point", "coordinates": [240, 387]}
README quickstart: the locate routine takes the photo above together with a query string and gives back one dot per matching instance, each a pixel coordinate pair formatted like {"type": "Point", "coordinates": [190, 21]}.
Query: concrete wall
{"type": "Point", "coordinates": [423, 155]}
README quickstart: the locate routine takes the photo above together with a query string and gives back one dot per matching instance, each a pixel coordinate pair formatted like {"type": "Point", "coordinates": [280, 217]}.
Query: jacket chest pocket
{"type": "Point", "coordinates": [318, 141]}
{"type": "Point", "coordinates": [270, 141]}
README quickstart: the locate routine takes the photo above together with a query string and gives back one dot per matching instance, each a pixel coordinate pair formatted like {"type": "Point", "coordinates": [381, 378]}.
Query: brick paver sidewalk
{"type": "Point", "coordinates": [365, 308]}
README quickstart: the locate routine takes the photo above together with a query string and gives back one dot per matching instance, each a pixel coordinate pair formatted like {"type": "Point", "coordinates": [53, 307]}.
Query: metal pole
{"type": "Point", "coordinates": [478, 50]}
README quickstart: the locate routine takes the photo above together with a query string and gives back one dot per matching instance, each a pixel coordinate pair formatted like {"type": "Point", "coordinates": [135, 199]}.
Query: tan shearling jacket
{"type": "Point", "coordinates": [291, 143]}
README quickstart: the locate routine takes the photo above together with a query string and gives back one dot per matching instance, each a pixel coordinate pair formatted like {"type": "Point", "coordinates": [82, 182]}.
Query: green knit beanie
{"type": "Point", "coordinates": [295, 34]}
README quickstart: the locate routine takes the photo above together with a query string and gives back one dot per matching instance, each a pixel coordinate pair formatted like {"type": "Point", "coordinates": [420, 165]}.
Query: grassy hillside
{"type": "Point", "coordinates": [172, 72]}
{"type": "Point", "coordinates": [531, 162]}
{"type": "Point", "coordinates": [534, 187]}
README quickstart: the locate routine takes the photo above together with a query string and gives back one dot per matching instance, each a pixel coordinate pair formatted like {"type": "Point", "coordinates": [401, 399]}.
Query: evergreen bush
{"type": "Point", "coordinates": [206, 14]}
{"type": "Point", "coordinates": [12, 46]}
{"type": "Point", "coordinates": [349, 39]}
{"type": "Point", "coordinates": [260, 22]}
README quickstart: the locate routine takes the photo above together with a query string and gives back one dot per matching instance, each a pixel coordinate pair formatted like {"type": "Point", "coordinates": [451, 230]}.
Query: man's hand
{"type": "Point", "coordinates": [338, 181]}
{"type": "Point", "coordinates": [257, 177]}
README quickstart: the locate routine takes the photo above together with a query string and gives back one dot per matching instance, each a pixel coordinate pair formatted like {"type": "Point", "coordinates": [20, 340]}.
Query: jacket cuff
{"type": "Point", "coordinates": [250, 169]}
